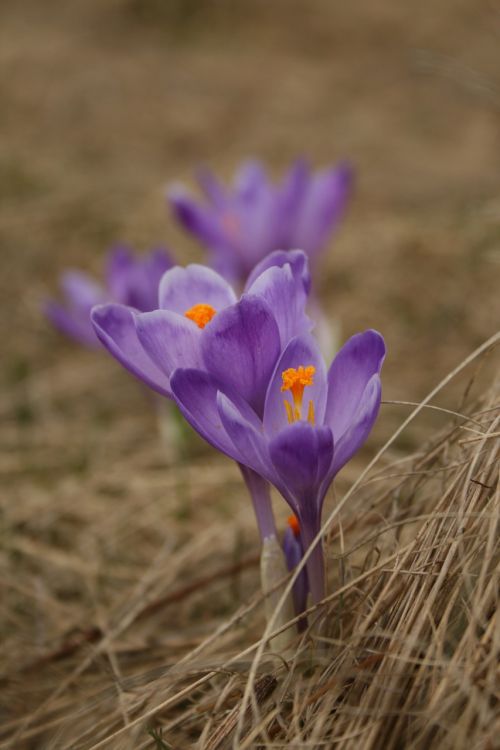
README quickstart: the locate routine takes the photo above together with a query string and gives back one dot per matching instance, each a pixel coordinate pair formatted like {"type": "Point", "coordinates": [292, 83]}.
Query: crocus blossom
{"type": "Point", "coordinates": [312, 422]}
{"type": "Point", "coordinates": [250, 379]}
{"type": "Point", "coordinates": [201, 326]}
{"type": "Point", "coordinates": [128, 279]}
{"type": "Point", "coordinates": [242, 224]}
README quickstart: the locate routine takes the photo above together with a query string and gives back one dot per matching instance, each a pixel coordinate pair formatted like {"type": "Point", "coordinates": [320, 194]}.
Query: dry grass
{"type": "Point", "coordinates": [135, 634]}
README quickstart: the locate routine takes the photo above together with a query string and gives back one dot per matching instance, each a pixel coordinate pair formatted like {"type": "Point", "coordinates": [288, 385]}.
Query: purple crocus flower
{"type": "Point", "coordinates": [312, 421]}
{"type": "Point", "coordinates": [202, 327]}
{"type": "Point", "coordinates": [128, 279]}
{"type": "Point", "coordinates": [240, 226]}
{"type": "Point", "coordinates": [250, 379]}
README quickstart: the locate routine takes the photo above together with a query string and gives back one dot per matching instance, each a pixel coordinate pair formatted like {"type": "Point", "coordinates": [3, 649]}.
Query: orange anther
{"type": "Point", "coordinates": [295, 380]}
{"type": "Point", "coordinates": [200, 314]}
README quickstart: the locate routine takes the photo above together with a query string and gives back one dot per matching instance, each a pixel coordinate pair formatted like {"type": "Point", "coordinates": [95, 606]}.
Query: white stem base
{"type": "Point", "coordinates": [273, 571]}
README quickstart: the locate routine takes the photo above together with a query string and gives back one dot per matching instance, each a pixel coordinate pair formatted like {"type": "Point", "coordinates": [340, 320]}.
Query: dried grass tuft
{"type": "Point", "coordinates": [146, 628]}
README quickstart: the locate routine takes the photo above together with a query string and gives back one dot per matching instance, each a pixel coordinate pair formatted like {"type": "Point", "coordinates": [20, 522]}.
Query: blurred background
{"type": "Point", "coordinates": [104, 103]}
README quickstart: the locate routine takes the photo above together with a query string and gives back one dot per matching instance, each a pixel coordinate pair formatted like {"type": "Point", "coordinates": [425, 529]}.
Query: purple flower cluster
{"type": "Point", "coordinates": [245, 371]}
{"type": "Point", "coordinates": [128, 279]}
{"type": "Point", "coordinates": [250, 379]}
{"type": "Point", "coordinates": [240, 226]}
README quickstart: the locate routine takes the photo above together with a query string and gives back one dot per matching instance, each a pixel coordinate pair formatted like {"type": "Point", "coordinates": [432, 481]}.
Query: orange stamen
{"type": "Point", "coordinates": [295, 380]}
{"type": "Point", "coordinates": [200, 314]}
{"type": "Point", "coordinates": [293, 522]}
{"type": "Point", "coordinates": [289, 412]}
{"type": "Point", "coordinates": [310, 413]}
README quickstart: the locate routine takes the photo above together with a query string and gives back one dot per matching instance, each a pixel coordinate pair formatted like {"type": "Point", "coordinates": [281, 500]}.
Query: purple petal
{"type": "Point", "coordinates": [292, 194]}
{"type": "Point", "coordinates": [322, 207]}
{"type": "Point", "coordinates": [292, 549]}
{"type": "Point", "coordinates": [195, 393]}
{"type": "Point", "coordinates": [198, 220]}
{"type": "Point", "coordinates": [286, 296]}
{"type": "Point", "coordinates": [144, 279]}
{"type": "Point", "coordinates": [295, 182]}
{"type": "Point", "coordinates": [228, 265]}
{"type": "Point", "coordinates": [134, 281]}
{"type": "Point", "coordinates": [359, 428]}
{"type": "Point", "coordinates": [358, 360]}
{"type": "Point", "coordinates": [303, 351]}
{"type": "Point", "coordinates": [125, 278]}
{"type": "Point", "coordinates": [214, 191]}
{"type": "Point", "coordinates": [170, 340]}
{"type": "Point", "coordinates": [240, 347]}
{"type": "Point", "coordinates": [302, 454]}
{"type": "Point", "coordinates": [115, 327]}
{"type": "Point", "coordinates": [298, 263]}
{"type": "Point", "coordinates": [72, 317]}
{"type": "Point", "coordinates": [259, 228]}
{"type": "Point", "coordinates": [182, 288]}
{"type": "Point", "coordinates": [156, 264]}
{"type": "Point", "coordinates": [245, 431]}
{"type": "Point", "coordinates": [81, 291]}
{"type": "Point", "coordinates": [159, 260]}
{"type": "Point", "coordinates": [117, 271]}
{"type": "Point", "coordinates": [72, 323]}
{"type": "Point", "coordinates": [250, 179]}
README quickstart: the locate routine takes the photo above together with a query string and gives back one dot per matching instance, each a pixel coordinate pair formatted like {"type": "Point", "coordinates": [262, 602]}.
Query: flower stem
{"type": "Point", "coordinates": [261, 499]}
{"type": "Point", "coordinates": [272, 562]}
{"type": "Point", "coordinates": [168, 427]}
{"type": "Point", "coordinates": [273, 572]}
{"type": "Point", "coordinates": [315, 565]}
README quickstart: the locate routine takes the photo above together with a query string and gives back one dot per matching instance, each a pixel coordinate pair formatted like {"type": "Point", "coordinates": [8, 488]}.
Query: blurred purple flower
{"type": "Point", "coordinates": [240, 226]}
{"type": "Point", "coordinates": [200, 327]}
{"type": "Point", "coordinates": [299, 447]}
{"type": "Point", "coordinates": [129, 280]}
